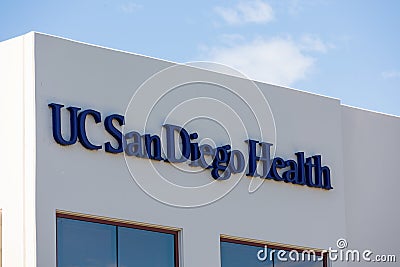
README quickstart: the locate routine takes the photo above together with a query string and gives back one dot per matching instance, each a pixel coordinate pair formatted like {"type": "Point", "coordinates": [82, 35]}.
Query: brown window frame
{"type": "Point", "coordinates": [124, 223]}
{"type": "Point", "coordinates": [271, 245]}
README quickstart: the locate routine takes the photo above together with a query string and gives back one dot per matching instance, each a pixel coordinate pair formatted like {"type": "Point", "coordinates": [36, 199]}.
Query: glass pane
{"type": "Point", "coordinates": [85, 244]}
{"type": "Point", "coordinates": [238, 255]}
{"type": "Point", "coordinates": [296, 259]}
{"type": "Point", "coordinates": [145, 248]}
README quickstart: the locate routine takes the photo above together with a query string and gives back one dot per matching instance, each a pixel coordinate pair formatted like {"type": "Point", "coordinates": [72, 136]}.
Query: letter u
{"type": "Point", "coordinates": [56, 120]}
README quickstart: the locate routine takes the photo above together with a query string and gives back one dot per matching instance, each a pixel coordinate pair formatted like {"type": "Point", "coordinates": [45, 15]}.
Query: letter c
{"type": "Point", "coordinates": [82, 129]}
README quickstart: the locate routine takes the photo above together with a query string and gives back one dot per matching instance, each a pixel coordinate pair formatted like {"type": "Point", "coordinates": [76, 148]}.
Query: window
{"type": "Point", "coordinates": [237, 252]}
{"type": "Point", "coordinates": [88, 241]}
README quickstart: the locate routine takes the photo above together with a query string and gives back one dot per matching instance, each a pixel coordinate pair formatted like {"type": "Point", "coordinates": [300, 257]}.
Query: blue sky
{"type": "Point", "coordinates": [343, 49]}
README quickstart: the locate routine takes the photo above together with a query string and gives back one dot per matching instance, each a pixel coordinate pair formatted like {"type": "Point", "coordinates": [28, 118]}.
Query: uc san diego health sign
{"type": "Point", "coordinates": [224, 162]}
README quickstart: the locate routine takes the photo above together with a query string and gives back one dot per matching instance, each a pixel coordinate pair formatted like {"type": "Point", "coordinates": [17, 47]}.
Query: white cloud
{"type": "Point", "coordinates": [255, 11]}
{"type": "Point", "coordinates": [231, 39]}
{"type": "Point", "coordinates": [391, 74]}
{"type": "Point", "coordinates": [296, 7]}
{"type": "Point", "coordinates": [278, 61]}
{"type": "Point", "coordinates": [314, 43]}
{"type": "Point", "coordinates": [129, 7]}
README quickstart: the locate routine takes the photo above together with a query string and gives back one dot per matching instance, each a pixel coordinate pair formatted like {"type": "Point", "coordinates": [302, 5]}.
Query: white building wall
{"type": "Point", "coordinates": [75, 179]}
{"type": "Point", "coordinates": [372, 144]}
{"type": "Point", "coordinates": [17, 164]}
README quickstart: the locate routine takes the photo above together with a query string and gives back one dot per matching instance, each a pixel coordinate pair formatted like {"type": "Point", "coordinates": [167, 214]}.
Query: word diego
{"type": "Point", "coordinates": [222, 160]}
